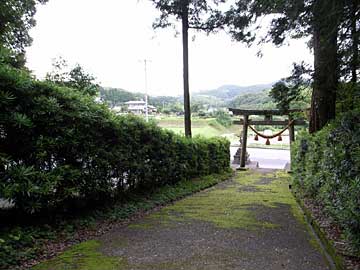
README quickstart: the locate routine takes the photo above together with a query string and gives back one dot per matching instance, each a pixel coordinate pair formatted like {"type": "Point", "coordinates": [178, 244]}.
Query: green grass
{"type": "Point", "coordinates": [207, 127]}
{"type": "Point", "coordinates": [179, 121]}
{"type": "Point", "coordinates": [206, 132]}
{"type": "Point", "coordinates": [230, 207]}
{"type": "Point", "coordinates": [84, 256]}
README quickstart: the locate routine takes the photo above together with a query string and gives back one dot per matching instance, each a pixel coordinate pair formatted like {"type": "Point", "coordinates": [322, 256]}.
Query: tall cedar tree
{"type": "Point", "coordinates": [192, 14]}
{"type": "Point", "coordinates": [348, 64]}
{"type": "Point", "coordinates": [325, 26]}
{"type": "Point", "coordinates": [349, 41]}
{"type": "Point", "coordinates": [320, 19]}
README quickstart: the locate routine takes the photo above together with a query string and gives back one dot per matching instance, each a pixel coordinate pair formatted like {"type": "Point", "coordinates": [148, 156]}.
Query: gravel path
{"type": "Point", "coordinates": [251, 222]}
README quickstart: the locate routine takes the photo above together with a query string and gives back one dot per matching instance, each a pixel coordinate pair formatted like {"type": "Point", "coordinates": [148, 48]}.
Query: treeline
{"type": "Point", "coordinates": [199, 103]}
{"type": "Point", "coordinates": [116, 96]}
{"type": "Point", "coordinates": [58, 146]}
{"type": "Point", "coordinates": [259, 100]}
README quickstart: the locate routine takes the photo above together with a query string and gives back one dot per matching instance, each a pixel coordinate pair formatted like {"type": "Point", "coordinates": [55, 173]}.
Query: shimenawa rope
{"type": "Point", "coordinates": [274, 135]}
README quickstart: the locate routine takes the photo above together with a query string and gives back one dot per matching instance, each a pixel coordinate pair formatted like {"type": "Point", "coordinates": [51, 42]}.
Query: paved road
{"type": "Point", "coordinates": [267, 158]}
{"type": "Point", "coordinates": [249, 223]}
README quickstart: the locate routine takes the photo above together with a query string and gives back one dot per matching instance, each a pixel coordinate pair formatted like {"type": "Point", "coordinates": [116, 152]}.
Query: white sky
{"type": "Point", "coordinates": [109, 38]}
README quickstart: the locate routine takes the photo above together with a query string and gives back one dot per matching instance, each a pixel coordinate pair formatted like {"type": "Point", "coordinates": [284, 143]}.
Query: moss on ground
{"type": "Point", "coordinates": [84, 256]}
{"type": "Point", "coordinates": [87, 255]}
{"type": "Point", "coordinates": [233, 206]}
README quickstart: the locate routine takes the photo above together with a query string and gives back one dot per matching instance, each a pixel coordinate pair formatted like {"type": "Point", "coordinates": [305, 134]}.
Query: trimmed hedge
{"type": "Point", "coordinates": [326, 167]}
{"type": "Point", "coordinates": [58, 145]}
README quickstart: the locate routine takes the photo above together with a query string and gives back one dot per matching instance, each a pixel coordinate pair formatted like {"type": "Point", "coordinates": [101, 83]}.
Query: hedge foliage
{"type": "Point", "coordinates": [327, 169]}
{"type": "Point", "coordinates": [58, 145]}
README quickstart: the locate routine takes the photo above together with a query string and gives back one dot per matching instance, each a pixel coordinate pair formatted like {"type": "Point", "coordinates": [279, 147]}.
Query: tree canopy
{"type": "Point", "coordinates": [332, 25]}
{"type": "Point", "coordinates": [16, 19]}
{"type": "Point", "coordinates": [76, 78]}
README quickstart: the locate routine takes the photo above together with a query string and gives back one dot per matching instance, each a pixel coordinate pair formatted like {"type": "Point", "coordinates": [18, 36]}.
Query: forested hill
{"type": "Point", "coordinates": [255, 96]}
{"type": "Point", "coordinates": [117, 96]}
{"type": "Point", "coordinates": [256, 101]}
{"type": "Point", "coordinates": [228, 92]}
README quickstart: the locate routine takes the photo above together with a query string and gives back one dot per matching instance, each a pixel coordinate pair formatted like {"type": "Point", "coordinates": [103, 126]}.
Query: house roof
{"type": "Point", "coordinates": [135, 102]}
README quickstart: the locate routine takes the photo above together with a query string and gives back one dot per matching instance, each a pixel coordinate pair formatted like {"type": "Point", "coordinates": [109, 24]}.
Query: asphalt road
{"type": "Point", "coordinates": [267, 158]}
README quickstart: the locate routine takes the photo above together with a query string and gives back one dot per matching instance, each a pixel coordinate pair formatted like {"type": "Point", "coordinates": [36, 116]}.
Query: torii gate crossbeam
{"type": "Point", "coordinates": [245, 122]}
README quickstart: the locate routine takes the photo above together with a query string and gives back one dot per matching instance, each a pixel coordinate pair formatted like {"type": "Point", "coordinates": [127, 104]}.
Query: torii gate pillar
{"type": "Point", "coordinates": [291, 131]}
{"type": "Point", "coordinates": [268, 121]}
{"type": "Point", "coordinates": [244, 141]}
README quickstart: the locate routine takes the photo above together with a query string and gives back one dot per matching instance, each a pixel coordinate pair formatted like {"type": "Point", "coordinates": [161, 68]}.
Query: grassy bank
{"type": "Point", "coordinates": [209, 127]}
{"type": "Point", "coordinates": [206, 127]}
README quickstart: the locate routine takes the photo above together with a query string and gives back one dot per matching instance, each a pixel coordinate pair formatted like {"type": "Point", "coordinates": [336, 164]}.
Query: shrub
{"type": "Point", "coordinates": [327, 166]}
{"type": "Point", "coordinates": [58, 145]}
{"type": "Point", "coordinates": [223, 118]}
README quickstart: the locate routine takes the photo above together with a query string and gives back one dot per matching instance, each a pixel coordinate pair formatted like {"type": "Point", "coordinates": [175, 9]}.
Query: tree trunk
{"type": "Point", "coordinates": [325, 32]}
{"type": "Point", "coordinates": [355, 41]}
{"type": "Point", "coordinates": [185, 28]}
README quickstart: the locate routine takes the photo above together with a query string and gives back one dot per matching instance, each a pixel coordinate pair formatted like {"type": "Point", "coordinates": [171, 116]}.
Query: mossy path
{"type": "Point", "coordinates": [251, 222]}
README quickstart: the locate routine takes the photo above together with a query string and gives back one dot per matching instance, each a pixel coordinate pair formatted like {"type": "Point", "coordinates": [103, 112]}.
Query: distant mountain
{"type": "Point", "coordinates": [228, 92]}
{"type": "Point", "coordinates": [254, 96]}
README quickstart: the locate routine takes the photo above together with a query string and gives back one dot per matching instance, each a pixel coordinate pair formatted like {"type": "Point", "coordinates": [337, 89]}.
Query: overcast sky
{"type": "Point", "coordinates": [109, 38]}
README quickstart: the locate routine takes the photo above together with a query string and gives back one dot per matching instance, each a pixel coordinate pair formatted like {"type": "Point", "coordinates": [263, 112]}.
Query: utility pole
{"type": "Point", "coordinates": [146, 91]}
{"type": "Point", "coordinates": [185, 37]}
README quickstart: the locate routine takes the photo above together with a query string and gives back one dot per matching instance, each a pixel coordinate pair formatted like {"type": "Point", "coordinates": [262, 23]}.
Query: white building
{"type": "Point", "coordinates": [139, 107]}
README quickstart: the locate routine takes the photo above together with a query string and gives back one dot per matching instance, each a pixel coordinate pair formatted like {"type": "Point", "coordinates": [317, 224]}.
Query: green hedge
{"type": "Point", "coordinates": [327, 168]}
{"type": "Point", "coordinates": [58, 145]}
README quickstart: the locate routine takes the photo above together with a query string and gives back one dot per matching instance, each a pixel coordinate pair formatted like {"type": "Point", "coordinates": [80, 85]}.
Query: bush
{"type": "Point", "coordinates": [327, 166]}
{"type": "Point", "coordinates": [58, 145]}
{"type": "Point", "coordinates": [223, 118]}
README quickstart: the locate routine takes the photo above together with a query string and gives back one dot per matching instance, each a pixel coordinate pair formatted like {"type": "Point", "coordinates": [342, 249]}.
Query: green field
{"type": "Point", "coordinates": [207, 127]}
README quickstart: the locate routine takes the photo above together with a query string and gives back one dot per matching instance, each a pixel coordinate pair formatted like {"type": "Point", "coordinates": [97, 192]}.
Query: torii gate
{"type": "Point", "coordinates": [268, 114]}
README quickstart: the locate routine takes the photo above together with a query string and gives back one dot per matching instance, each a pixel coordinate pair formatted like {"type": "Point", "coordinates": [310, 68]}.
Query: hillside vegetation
{"type": "Point", "coordinates": [228, 92]}
{"type": "Point", "coordinates": [117, 96]}
{"type": "Point", "coordinates": [208, 127]}
{"type": "Point", "coordinates": [255, 97]}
